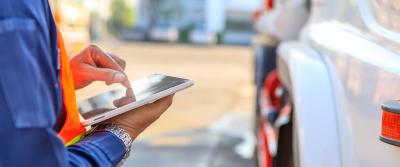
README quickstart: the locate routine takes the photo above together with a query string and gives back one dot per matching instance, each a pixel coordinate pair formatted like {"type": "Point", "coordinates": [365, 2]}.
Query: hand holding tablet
{"type": "Point", "coordinates": [146, 90]}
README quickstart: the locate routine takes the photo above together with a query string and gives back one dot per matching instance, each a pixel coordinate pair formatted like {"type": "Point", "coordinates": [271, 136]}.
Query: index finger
{"type": "Point", "coordinates": [120, 61]}
{"type": "Point", "coordinates": [104, 60]}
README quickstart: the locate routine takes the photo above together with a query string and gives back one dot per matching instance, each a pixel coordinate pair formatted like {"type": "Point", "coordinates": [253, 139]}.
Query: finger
{"type": "Point", "coordinates": [107, 75]}
{"type": "Point", "coordinates": [120, 61]}
{"type": "Point", "coordinates": [123, 101]}
{"type": "Point", "coordinates": [104, 60]}
{"type": "Point", "coordinates": [157, 108]}
{"type": "Point", "coordinates": [162, 103]}
{"type": "Point", "coordinates": [117, 103]}
{"type": "Point", "coordinates": [166, 100]}
{"type": "Point", "coordinates": [129, 93]}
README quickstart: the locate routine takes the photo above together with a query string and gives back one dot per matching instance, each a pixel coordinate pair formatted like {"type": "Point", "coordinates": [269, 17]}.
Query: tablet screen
{"type": "Point", "coordinates": [143, 88]}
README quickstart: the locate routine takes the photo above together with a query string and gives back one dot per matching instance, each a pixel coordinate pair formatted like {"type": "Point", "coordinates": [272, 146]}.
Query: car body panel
{"type": "Point", "coordinates": [364, 74]}
{"type": "Point", "coordinates": [359, 54]}
{"type": "Point", "coordinates": [314, 105]}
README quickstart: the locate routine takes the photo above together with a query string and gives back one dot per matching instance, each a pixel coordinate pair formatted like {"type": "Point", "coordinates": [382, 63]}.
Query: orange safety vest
{"type": "Point", "coordinates": [72, 130]}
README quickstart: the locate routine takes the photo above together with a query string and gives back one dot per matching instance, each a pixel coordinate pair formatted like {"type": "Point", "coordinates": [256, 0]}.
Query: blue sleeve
{"type": "Point", "coordinates": [99, 149]}
{"type": "Point", "coordinates": [30, 96]}
{"type": "Point", "coordinates": [41, 147]}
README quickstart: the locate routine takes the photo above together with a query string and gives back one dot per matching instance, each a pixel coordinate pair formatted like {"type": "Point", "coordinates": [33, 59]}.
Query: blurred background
{"type": "Point", "coordinates": [210, 124]}
{"type": "Point", "coordinates": [278, 83]}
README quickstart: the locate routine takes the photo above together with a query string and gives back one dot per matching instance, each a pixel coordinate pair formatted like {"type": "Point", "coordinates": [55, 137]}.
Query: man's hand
{"type": "Point", "coordinates": [92, 64]}
{"type": "Point", "coordinates": [137, 120]}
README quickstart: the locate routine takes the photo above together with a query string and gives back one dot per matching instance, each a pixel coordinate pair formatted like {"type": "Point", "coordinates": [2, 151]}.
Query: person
{"type": "Point", "coordinates": [31, 98]}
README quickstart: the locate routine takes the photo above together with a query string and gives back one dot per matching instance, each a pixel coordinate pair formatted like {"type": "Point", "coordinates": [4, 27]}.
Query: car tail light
{"type": "Point", "coordinates": [390, 132]}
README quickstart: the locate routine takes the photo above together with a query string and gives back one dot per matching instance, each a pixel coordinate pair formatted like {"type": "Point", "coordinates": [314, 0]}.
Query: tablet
{"type": "Point", "coordinates": [146, 90]}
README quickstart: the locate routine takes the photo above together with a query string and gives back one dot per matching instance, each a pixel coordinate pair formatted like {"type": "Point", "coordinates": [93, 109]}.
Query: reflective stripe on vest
{"type": "Point", "coordinates": [72, 130]}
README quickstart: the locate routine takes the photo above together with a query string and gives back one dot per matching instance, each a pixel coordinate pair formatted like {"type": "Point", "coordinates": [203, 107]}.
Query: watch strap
{"type": "Point", "coordinates": [117, 131]}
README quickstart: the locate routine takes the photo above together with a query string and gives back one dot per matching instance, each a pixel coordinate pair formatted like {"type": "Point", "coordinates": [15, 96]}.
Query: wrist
{"type": "Point", "coordinates": [118, 131]}
{"type": "Point", "coordinates": [133, 132]}
{"type": "Point", "coordinates": [127, 126]}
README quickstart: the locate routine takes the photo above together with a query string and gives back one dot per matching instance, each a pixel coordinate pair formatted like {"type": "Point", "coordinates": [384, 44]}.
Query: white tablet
{"type": "Point", "coordinates": [146, 90]}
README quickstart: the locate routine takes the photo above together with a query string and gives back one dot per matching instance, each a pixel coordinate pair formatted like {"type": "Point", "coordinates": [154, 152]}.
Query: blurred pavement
{"type": "Point", "coordinates": [208, 125]}
{"type": "Point", "coordinates": [226, 143]}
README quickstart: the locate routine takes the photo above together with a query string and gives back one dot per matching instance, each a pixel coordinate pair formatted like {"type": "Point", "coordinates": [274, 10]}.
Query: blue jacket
{"type": "Point", "coordinates": [30, 95]}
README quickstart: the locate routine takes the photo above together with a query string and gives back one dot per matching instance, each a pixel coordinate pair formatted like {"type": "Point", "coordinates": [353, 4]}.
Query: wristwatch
{"type": "Point", "coordinates": [117, 131]}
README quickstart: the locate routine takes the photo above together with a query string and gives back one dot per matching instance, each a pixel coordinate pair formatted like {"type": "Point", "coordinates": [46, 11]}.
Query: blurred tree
{"type": "Point", "coordinates": [122, 16]}
{"type": "Point", "coordinates": [184, 33]}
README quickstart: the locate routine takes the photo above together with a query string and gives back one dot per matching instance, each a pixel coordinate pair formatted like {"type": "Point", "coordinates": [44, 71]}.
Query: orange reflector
{"type": "Point", "coordinates": [390, 132]}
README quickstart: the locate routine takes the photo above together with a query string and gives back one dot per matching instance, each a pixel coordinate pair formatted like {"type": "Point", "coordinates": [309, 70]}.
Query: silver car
{"type": "Point", "coordinates": [340, 71]}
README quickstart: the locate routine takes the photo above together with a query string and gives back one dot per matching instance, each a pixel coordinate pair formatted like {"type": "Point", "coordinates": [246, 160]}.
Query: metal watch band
{"type": "Point", "coordinates": [120, 133]}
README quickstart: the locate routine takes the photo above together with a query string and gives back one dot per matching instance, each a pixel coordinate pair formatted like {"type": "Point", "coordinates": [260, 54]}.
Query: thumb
{"type": "Point", "coordinates": [108, 75]}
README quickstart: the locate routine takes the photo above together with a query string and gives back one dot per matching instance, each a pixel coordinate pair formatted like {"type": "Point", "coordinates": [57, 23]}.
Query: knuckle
{"type": "Point", "coordinates": [111, 75]}
{"type": "Point", "coordinates": [93, 46]}
{"type": "Point", "coordinates": [92, 49]}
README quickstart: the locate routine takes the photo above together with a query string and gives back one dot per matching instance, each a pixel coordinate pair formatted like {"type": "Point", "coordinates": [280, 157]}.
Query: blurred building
{"type": "Point", "coordinates": [238, 24]}
{"type": "Point", "coordinates": [201, 21]}
{"type": "Point", "coordinates": [194, 21]}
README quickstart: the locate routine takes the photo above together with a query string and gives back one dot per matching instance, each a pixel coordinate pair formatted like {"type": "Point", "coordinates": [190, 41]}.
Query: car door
{"type": "Point", "coordinates": [359, 41]}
